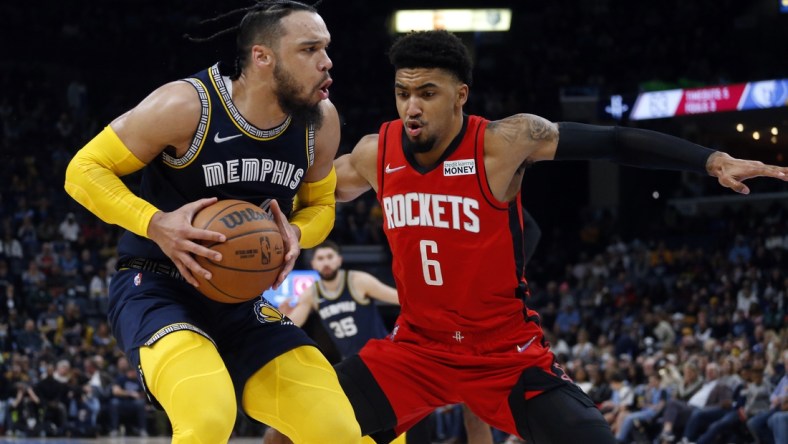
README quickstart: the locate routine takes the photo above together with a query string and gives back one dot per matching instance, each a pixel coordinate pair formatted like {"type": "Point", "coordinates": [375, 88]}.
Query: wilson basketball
{"type": "Point", "coordinates": [252, 253]}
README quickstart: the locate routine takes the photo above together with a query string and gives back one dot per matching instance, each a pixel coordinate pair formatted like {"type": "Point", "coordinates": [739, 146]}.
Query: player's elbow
{"type": "Point", "coordinates": [77, 172]}
{"type": "Point", "coordinates": [345, 195]}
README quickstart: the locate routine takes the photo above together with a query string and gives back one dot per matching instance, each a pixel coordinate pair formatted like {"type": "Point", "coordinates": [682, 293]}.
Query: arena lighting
{"type": "Point", "coordinates": [456, 20]}
{"type": "Point", "coordinates": [739, 127]}
{"type": "Point", "coordinates": [756, 135]}
{"type": "Point", "coordinates": [774, 128]}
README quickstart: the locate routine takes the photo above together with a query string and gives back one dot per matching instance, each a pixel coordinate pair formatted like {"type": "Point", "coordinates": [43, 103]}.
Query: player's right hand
{"type": "Point", "coordinates": [174, 234]}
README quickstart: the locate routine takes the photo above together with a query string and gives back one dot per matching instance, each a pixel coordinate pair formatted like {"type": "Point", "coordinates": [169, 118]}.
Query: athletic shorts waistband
{"type": "Point", "coordinates": [158, 267]}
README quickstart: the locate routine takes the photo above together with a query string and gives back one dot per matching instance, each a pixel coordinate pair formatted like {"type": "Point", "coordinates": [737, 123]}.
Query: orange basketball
{"type": "Point", "coordinates": [252, 255]}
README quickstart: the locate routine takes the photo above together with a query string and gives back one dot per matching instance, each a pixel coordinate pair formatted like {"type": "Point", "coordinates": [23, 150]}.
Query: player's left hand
{"type": "Point", "coordinates": [290, 240]}
{"type": "Point", "coordinates": [731, 172]}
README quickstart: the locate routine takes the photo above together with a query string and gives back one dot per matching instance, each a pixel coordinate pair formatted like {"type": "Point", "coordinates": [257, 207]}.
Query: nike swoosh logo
{"type": "Point", "coordinates": [390, 170]}
{"type": "Point", "coordinates": [527, 344]}
{"type": "Point", "coordinates": [218, 139]}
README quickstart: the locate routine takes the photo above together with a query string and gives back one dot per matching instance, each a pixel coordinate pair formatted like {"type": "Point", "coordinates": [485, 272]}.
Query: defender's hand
{"type": "Point", "coordinates": [174, 234]}
{"type": "Point", "coordinates": [731, 172]}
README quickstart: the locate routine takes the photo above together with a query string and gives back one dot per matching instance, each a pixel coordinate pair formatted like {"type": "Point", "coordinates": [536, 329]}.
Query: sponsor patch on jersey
{"type": "Point", "coordinates": [138, 280]}
{"type": "Point", "coordinates": [462, 167]}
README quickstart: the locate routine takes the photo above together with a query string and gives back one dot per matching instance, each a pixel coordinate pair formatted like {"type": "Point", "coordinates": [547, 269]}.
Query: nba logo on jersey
{"type": "Point", "coordinates": [462, 167]}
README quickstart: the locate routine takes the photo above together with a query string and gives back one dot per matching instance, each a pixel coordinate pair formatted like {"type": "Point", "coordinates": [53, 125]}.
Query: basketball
{"type": "Point", "coordinates": [252, 253]}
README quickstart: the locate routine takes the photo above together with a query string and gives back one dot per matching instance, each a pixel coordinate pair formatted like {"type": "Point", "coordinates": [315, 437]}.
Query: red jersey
{"type": "Point", "coordinates": [457, 251]}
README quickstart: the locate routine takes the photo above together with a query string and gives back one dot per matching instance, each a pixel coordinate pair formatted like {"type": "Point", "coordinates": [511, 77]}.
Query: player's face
{"type": "Point", "coordinates": [326, 262]}
{"type": "Point", "coordinates": [428, 101]}
{"type": "Point", "coordinates": [302, 63]}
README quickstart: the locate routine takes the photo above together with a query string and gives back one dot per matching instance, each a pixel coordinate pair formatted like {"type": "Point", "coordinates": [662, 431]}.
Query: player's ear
{"type": "Point", "coordinates": [462, 94]}
{"type": "Point", "coordinates": [262, 55]}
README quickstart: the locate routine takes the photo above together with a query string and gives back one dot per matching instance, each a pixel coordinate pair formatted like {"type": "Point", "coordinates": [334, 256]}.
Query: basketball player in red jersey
{"type": "Point", "coordinates": [449, 186]}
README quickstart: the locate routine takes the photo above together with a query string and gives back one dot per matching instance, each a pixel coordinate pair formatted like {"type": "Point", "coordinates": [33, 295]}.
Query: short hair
{"type": "Point", "coordinates": [262, 24]}
{"type": "Point", "coordinates": [328, 243]}
{"type": "Point", "coordinates": [433, 49]}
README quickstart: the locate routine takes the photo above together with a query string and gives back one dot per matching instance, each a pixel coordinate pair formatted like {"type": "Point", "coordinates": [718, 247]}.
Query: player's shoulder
{"type": "Point", "coordinates": [365, 152]}
{"type": "Point", "coordinates": [522, 125]}
{"type": "Point", "coordinates": [330, 122]}
{"type": "Point", "coordinates": [359, 283]}
{"type": "Point", "coordinates": [327, 108]}
{"type": "Point", "coordinates": [367, 145]}
{"type": "Point", "coordinates": [177, 96]}
{"type": "Point", "coordinates": [328, 132]}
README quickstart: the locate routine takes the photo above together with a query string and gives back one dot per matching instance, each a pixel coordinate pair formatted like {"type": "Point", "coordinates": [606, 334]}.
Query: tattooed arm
{"type": "Point", "coordinates": [510, 144]}
{"type": "Point", "coordinates": [525, 138]}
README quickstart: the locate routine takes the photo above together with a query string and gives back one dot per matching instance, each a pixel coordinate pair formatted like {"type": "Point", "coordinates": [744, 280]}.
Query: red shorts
{"type": "Point", "coordinates": [420, 370]}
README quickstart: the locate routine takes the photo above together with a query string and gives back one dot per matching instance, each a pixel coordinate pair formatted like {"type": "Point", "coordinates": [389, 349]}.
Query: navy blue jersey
{"type": "Point", "coordinates": [228, 158]}
{"type": "Point", "coordinates": [350, 319]}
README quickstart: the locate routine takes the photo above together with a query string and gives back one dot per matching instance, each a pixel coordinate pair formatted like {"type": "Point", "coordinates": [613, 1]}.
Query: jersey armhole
{"type": "Point", "coordinates": [481, 176]}
{"type": "Point", "coordinates": [382, 137]}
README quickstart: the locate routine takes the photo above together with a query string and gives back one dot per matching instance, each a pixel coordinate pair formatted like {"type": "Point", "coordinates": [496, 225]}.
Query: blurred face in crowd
{"type": "Point", "coordinates": [712, 371]}
{"type": "Point", "coordinates": [690, 373]}
{"type": "Point", "coordinates": [326, 261]}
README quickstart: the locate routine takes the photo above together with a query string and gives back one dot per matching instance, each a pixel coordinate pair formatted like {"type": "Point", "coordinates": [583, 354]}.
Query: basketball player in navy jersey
{"type": "Point", "coordinates": [345, 301]}
{"type": "Point", "coordinates": [449, 186]}
{"type": "Point", "coordinates": [260, 131]}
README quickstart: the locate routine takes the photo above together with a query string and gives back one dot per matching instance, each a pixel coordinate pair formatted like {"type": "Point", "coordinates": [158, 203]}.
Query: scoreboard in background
{"type": "Point", "coordinates": [712, 99]}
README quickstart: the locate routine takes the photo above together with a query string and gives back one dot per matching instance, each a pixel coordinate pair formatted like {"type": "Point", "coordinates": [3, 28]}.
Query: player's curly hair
{"type": "Point", "coordinates": [433, 49]}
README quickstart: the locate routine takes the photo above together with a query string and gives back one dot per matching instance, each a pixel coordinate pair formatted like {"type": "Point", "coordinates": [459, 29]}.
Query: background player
{"type": "Point", "coordinates": [344, 300]}
{"type": "Point", "coordinates": [261, 130]}
{"type": "Point", "coordinates": [449, 186]}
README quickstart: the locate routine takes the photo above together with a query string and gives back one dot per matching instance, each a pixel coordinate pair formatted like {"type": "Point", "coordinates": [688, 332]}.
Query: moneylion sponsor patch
{"type": "Point", "coordinates": [461, 167]}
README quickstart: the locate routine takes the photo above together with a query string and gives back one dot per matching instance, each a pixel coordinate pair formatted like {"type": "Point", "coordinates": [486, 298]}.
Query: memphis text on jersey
{"type": "Point", "coordinates": [252, 170]}
{"type": "Point", "coordinates": [431, 210]}
{"type": "Point", "coordinates": [337, 308]}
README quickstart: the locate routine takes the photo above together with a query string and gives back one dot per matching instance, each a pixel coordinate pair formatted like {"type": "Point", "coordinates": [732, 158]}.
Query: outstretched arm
{"type": "Point", "coordinates": [371, 287]}
{"type": "Point", "coordinates": [517, 140]}
{"type": "Point", "coordinates": [651, 149]}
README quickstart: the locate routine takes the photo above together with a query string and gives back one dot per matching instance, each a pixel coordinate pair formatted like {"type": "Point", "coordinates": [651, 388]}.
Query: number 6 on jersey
{"type": "Point", "coordinates": [430, 267]}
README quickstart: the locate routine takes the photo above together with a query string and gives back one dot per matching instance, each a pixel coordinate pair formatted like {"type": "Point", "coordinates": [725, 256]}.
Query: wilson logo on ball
{"type": "Point", "coordinates": [237, 218]}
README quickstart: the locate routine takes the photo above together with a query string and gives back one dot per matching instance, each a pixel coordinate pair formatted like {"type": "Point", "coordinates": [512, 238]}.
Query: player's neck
{"type": "Point", "coordinates": [257, 102]}
{"type": "Point", "coordinates": [333, 284]}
